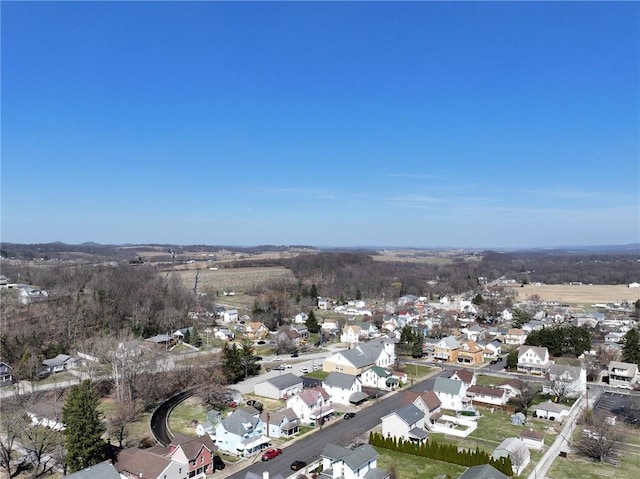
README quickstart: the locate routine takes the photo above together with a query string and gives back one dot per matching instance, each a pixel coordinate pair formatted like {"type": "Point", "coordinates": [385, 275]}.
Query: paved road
{"type": "Point", "coordinates": [338, 431]}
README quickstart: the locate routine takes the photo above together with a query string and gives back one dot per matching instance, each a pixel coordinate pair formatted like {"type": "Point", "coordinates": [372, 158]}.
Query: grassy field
{"type": "Point", "coordinates": [575, 466]}
{"type": "Point", "coordinates": [237, 280]}
{"type": "Point", "coordinates": [584, 294]}
{"type": "Point", "coordinates": [184, 413]}
{"type": "Point", "coordinates": [414, 467]}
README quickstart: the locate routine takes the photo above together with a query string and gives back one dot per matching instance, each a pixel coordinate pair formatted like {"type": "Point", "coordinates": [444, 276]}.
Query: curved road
{"type": "Point", "coordinates": [160, 417]}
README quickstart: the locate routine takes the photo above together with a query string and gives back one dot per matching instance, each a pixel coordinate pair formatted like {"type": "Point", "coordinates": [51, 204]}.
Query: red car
{"type": "Point", "coordinates": [271, 453]}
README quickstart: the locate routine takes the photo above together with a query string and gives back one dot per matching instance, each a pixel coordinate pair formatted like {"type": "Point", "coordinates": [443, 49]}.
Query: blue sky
{"type": "Point", "coordinates": [424, 124]}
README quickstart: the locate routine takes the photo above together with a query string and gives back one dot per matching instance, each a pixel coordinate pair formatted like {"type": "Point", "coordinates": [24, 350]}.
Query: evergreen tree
{"type": "Point", "coordinates": [417, 345]}
{"type": "Point", "coordinates": [186, 338]}
{"type": "Point", "coordinates": [313, 292]}
{"type": "Point", "coordinates": [231, 365]}
{"type": "Point", "coordinates": [520, 317]}
{"type": "Point", "coordinates": [196, 339]}
{"type": "Point", "coordinates": [631, 347]}
{"type": "Point", "coordinates": [83, 432]}
{"type": "Point", "coordinates": [312, 323]}
{"type": "Point", "coordinates": [512, 359]}
{"type": "Point", "coordinates": [358, 295]}
{"type": "Point", "coordinates": [249, 363]}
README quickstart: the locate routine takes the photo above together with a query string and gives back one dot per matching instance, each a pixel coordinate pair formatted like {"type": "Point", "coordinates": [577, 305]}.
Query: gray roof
{"type": "Point", "coordinates": [448, 386]}
{"type": "Point", "coordinates": [376, 473]}
{"type": "Point", "coordinates": [451, 342]}
{"type": "Point", "coordinates": [551, 407]}
{"type": "Point", "coordinates": [59, 360]}
{"type": "Point", "coordinates": [357, 358]}
{"type": "Point", "coordinates": [558, 370]}
{"type": "Point", "coordinates": [418, 433]}
{"type": "Point", "coordinates": [340, 380]}
{"type": "Point", "coordinates": [234, 423]}
{"type": "Point", "coordinates": [285, 380]}
{"type": "Point", "coordinates": [353, 458]}
{"type": "Point", "coordinates": [510, 445]}
{"type": "Point", "coordinates": [103, 470]}
{"type": "Point", "coordinates": [485, 471]}
{"type": "Point", "coordinates": [409, 413]}
{"type": "Point", "coordinates": [358, 396]}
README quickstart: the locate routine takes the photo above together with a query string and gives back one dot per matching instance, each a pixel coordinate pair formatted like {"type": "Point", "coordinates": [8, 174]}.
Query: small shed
{"type": "Point", "coordinates": [518, 419]}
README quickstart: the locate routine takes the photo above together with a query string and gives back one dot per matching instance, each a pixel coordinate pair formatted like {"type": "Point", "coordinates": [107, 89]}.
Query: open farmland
{"type": "Point", "coordinates": [579, 294]}
{"type": "Point", "coordinates": [235, 279]}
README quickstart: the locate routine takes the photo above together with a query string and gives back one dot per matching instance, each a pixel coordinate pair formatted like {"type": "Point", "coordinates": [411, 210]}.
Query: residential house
{"type": "Point", "coordinates": [281, 423]}
{"type": "Point", "coordinates": [206, 428]}
{"type": "Point", "coordinates": [379, 378]}
{"type": "Point", "coordinates": [102, 470]}
{"type": "Point", "coordinates": [427, 402]}
{"type": "Point", "coordinates": [533, 359]}
{"type": "Point", "coordinates": [468, 353]}
{"type": "Point", "coordinates": [614, 337]}
{"type": "Point", "coordinates": [330, 326]}
{"type": "Point", "coordinates": [380, 352]}
{"type": "Point", "coordinates": [445, 349]}
{"type": "Point", "coordinates": [515, 336]}
{"type": "Point", "coordinates": [279, 387]}
{"type": "Point", "coordinates": [180, 333]}
{"type": "Point", "coordinates": [550, 410]}
{"type": "Point", "coordinates": [351, 333]}
{"type": "Point", "coordinates": [485, 471]}
{"type": "Point", "coordinates": [344, 388]}
{"type": "Point", "coordinates": [466, 376]}
{"type": "Point", "coordinates": [300, 318]}
{"type": "Point", "coordinates": [361, 462]}
{"type": "Point", "coordinates": [516, 450]}
{"type": "Point", "coordinates": [406, 422]}
{"type": "Point", "coordinates": [324, 303]}
{"type": "Point", "coordinates": [624, 375]}
{"type": "Point", "coordinates": [160, 341]}
{"type": "Point", "coordinates": [513, 387]}
{"type": "Point", "coordinates": [492, 349]}
{"type": "Point", "coordinates": [229, 316]}
{"type": "Point", "coordinates": [241, 433]}
{"type": "Point", "coordinates": [302, 331]}
{"type": "Point", "coordinates": [196, 453]}
{"type": "Point", "coordinates": [487, 395]}
{"type": "Point", "coordinates": [6, 374]}
{"type": "Point", "coordinates": [451, 393]}
{"type": "Point", "coordinates": [474, 333]}
{"type": "Point", "coordinates": [310, 405]}
{"type": "Point", "coordinates": [223, 334]}
{"type": "Point", "coordinates": [28, 295]}
{"type": "Point", "coordinates": [291, 335]}
{"type": "Point", "coordinates": [58, 364]}
{"type": "Point", "coordinates": [565, 380]}
{"type": "Point", "coordinates": [533, 439]}
{"type": "Point", "coordinates": [256, 330]}
{"type": "Point", "coordinates": [151, 463]}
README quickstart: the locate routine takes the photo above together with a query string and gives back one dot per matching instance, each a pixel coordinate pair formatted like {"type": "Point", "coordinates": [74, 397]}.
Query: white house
{"type": "Point", "coordinates": [330, 326]}
{"type": "Point", "coordinates": [283, 423]}
{"type": "Point", "coordinates": [623, 375]}
{"type": "Point", "coordinates": [487, 395]}
{"type": "Point", "coordinates": [344, 388]}
{"type": "Point", "coordinates": [310, 405]}
{"type": "Point", "coordinates": [550, 410]}
{"type": "Point", "coordinates": [358, 463]}
{"type": "Point", "coordinates": [300, 318]}
{"type": "Point", "coordinates": [565, 380]}
{"type": "Point", "coordinates": [58, 364]}
{"type": "Point", "coordinates": [516, 450]}
{"type": "Point", "coordinates": [379, 378]}
{"type": "Point", "coordinates": [28, 295]}
{"type": "Point", "coordinates": [451, 393]}
{"type": "Point", "coordinates": [533, 359]}
{"type": "Point", "coordinates": [229, 316]}
{"type": "Point", "coordinates": [533, 439]}
{"type": "Point", "coordinates": [241, 433]}
{"type": "Point", "coordinates": [427, 402]}
{"type": "Point", "coordinates": [515, 336]}
{"type": "Point", "coordinates": [279, 387]}
{"type": "Point", "coordinates": [406, 422]}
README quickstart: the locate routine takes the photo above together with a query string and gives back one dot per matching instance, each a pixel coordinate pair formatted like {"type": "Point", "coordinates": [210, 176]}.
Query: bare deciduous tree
{"type": "Point", "coordinates": [602, 438]}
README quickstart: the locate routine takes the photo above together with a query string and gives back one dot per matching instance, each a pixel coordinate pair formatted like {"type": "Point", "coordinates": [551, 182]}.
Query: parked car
{"type": "Point", "coordinates": [277, 359]}
{"type": "Point", "coordinates": [287, 366]}
{"type": "Point", "coordinates": [271, 453]}
{"type": "Point", "coordinates": [349, 415]}
{"type": "Point", "coordinates": [294, 355]}
{"type": "Point", "coordinates": [297, 465]}
{"type": "Point", "coordinates": [494, 361]}
{"type": "Point", "coordinates": [218, 463]}
{"type": "Point", "coordinates": [279, 368]}
{"type": "Point", "coordinates": [304, 370]}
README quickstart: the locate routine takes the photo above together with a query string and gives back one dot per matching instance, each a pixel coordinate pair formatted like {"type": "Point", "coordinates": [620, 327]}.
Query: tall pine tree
{"type": "Point", "coordinates": [312, 323]}
{"type": "Point", "coordinates": [83, 432]}
{"type": "Point", "coordinates": [631, 347]}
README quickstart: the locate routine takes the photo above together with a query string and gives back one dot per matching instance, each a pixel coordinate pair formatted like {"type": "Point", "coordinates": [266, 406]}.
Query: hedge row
{"type": "Point", "coordinates": [441, 452]}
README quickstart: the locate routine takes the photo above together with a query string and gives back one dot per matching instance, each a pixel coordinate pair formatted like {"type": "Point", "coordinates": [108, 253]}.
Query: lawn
{"type": "Point", "coordinates": [486, 380]}
{"type": "Point", "coordinates": [576, 466]}
{"type": "Point", "coordinates": [184, 413]}
{"type": "Point", "coordinates": [413, 467]}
